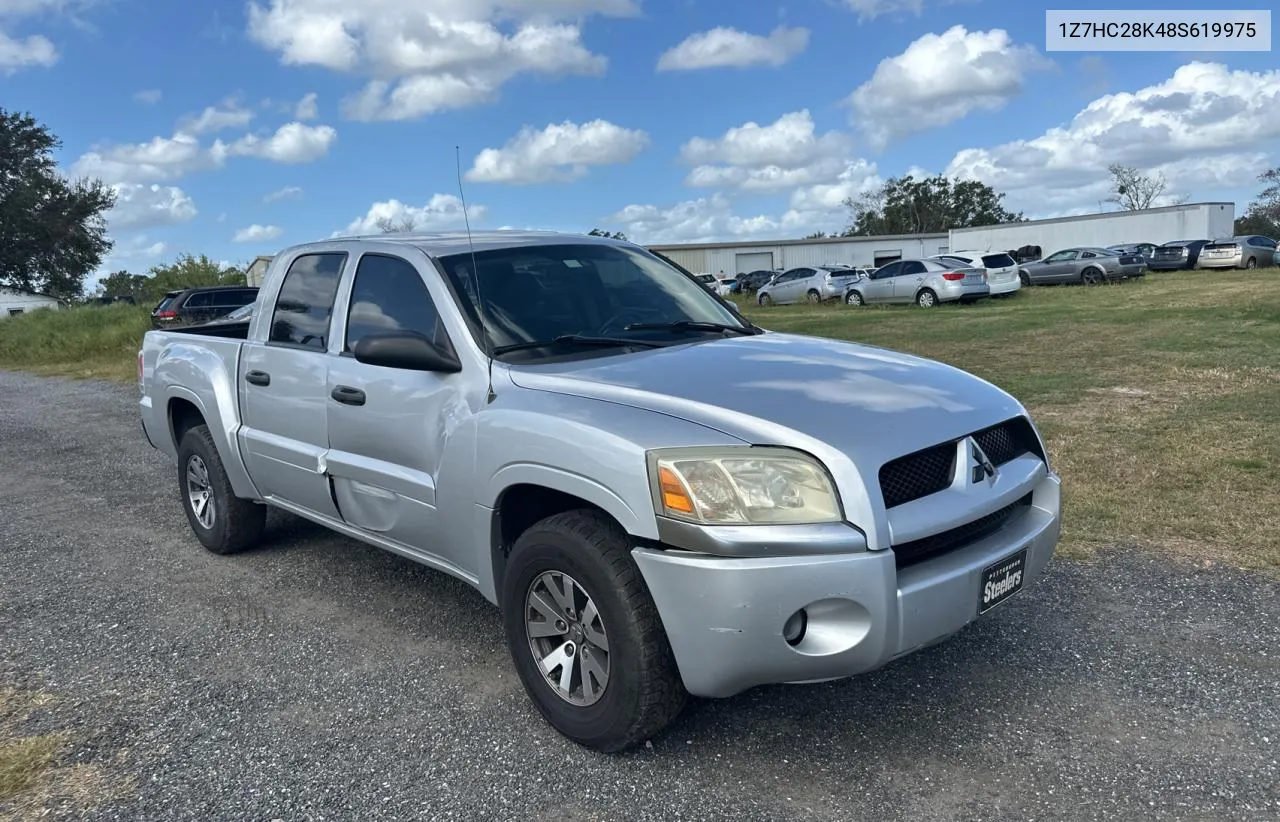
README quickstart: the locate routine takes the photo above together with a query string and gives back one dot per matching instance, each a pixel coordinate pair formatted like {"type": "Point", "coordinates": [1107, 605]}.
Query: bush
{"type": "Point", "coordinates": [86, 341]}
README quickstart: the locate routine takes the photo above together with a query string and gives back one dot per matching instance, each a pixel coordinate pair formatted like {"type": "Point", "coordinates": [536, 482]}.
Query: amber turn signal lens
{"type": "Point", "coordinates": [674, 497]}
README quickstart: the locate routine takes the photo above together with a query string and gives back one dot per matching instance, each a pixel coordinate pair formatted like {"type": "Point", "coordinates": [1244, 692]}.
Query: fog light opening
{"type": "Point", "coordinates": [794, 629]}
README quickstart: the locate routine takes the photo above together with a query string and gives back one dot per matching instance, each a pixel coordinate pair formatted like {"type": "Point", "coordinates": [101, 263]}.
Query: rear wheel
{"type": "Point", "coordinates": [926, 299]}
{"type": "Point", "coordinates": [584, 634]}
{"type": "Point", "coordinates": [853, 298]}
{"type": "Point", "coordinates": [1090, 276]}
{"type": "Point", "coordinates": [1251, 264]}
{"type": "Point", "coordinates": [224, 523]}
{"type": "Point", "coordinates": [814, 296]}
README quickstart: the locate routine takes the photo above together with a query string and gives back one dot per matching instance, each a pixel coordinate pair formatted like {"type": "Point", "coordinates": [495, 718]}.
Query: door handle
{"type": "Point", "coordinates": [258, 378]}
{"type": "Point", "coordinates": [347, 395]}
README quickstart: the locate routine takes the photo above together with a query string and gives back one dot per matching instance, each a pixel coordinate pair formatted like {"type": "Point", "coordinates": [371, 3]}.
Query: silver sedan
{"type": "Point", "coordinates": [923, 282]}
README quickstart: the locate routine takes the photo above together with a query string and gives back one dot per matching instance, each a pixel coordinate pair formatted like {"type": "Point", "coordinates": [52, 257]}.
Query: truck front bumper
{"type": "Point", "coordinates": [725, 617]}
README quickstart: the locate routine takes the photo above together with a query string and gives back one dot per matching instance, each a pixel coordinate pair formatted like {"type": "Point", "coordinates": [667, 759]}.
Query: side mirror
{"type": "Point", "coordinates": [408, 350]}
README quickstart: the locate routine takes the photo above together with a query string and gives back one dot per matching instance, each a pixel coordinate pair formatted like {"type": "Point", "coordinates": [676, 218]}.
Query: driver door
{"type": "Point", "coordinates": [389, 427]}
{"type": "Point", "coordinates": [879, 287]}
{"type": "Point", "coordinates": [1057, 267]}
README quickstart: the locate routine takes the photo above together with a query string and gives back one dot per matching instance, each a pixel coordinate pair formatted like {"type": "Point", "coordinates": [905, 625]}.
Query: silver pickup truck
{"type": "Point", "coordinates": [662, 498]}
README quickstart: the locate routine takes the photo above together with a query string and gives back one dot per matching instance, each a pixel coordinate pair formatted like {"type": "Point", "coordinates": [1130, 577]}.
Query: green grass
{"type": "Point", "coordinates": [92, 341]}
{"type": "Point", "coordinates": [1159, 399]}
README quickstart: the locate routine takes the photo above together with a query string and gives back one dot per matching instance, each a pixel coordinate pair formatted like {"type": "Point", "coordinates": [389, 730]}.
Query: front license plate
{"type": "Point", "coordinates": [1001, 581]}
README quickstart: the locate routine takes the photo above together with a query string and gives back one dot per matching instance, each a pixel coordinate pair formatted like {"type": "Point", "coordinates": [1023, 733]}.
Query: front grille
{"type": "Point", "coordinates": [930, 470]}
{"type": "Point", "coordinates": [935, 545]}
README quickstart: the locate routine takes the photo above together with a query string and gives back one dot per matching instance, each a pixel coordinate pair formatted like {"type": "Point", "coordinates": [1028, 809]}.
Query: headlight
{"type": "Point", "coordinates": [742, 486]}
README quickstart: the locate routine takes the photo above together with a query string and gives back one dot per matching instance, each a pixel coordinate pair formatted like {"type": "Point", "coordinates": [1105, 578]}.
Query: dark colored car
{"type": "Point", "coordinates": [1144, 250]}
{"type": "Point", "coordinates": [1176, 255]}
{"type": "Point", "coordinates": [752, 281]}
{"type": "Point", "coordinates": [193, 306]}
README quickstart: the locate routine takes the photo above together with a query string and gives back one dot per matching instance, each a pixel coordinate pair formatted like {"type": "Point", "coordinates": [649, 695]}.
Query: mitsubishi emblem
{"type": "Point", "coordinates": [982, 467]}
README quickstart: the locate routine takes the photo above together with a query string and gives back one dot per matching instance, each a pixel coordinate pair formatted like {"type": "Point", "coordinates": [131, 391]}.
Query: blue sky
{"type": "Point", "coordinates": [233, 129]}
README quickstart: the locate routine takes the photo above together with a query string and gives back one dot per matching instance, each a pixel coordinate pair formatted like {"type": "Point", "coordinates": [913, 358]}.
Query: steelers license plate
{"type": "Point", "coordinates": [1001, 581]}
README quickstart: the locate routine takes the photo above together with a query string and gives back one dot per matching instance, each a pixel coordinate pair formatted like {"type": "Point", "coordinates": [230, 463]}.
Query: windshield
{"type": "Point", "coordinates": [541, 292]}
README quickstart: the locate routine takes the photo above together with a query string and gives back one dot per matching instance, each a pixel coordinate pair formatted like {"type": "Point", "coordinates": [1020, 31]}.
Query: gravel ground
{"type": "Point", "coordinates": [318, 679]}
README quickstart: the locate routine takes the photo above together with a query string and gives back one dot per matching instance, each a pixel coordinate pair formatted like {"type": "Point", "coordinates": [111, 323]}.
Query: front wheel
{"type": "Point", "coordinates": [224, 523]}
{"type": "Point", "coordinates": [926, 299]}
{"type": "Point", "coordinates": [853, 298]}
{"type": "Point", "coordinates": [1025, 278]}
{"type": "Point", "coordinates": [585, 636]}
{"type": "Point", "coordinates": [765, 301]}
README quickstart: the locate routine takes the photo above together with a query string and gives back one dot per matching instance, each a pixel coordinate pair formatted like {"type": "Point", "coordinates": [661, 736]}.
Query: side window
{"type": "Point", "coordinates": [305, 303]}
{"type": "Point", "coordinates": [1087, 255]}
{"type": "Point", "coordinates": [1061, 257]}
{"type": "Point", "coordinates": [890, 270]}
{"type": "Point", "coordinates": [203, 300]}
{"type": "Point", "coordinates": [913, 267]}
{"type": "Point", "coordinates": [389, 295]}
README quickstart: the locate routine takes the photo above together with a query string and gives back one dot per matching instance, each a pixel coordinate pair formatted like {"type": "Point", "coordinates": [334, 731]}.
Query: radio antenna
{"type": "Point", "coordinates": [475, 273]}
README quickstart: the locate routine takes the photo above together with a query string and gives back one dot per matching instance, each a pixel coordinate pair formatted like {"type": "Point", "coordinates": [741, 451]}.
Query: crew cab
{"type": "Point", "coordinates": [661, 497]}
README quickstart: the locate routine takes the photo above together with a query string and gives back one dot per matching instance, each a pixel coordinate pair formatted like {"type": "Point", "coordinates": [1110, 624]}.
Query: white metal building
{"type": "Point", "coordinates": [256, 271]}
{"type": "Point", "coordinates": [1194, 221]}
{"type": "Point", "coordinates": [13, 302]}
{"type": "Point", "coordinates": [740, 258]}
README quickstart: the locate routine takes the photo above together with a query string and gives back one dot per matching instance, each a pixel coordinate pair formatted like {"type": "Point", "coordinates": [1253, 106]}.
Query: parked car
{"type": "Point", "coordinates": [241, 314]}
{"type": "Point", "coordinates": [626, 472]}
{"type": "Point", "coordinates": [1176, 255]}
{"type": "Point", "coordinates": [1144, 250]}
{"type": "Point", "coordinates": [1002, 270]}
{"type": "Point", "coordinates": [192, 306]}
{"type": "Point", "coordinates": [1088, 266]}
{"type": "Point", "coordinates": [807, 284]}
{"type": "Point", "coordinates": [753, 281]}
{"type": "Point", "coordinates": [923, 282]}
{"type": "Point", "coordinates": [1248, 251]}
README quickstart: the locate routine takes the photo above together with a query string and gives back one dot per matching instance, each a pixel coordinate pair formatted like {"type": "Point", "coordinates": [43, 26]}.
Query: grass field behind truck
{"type": "Point", "coordinates": [1160, 399]}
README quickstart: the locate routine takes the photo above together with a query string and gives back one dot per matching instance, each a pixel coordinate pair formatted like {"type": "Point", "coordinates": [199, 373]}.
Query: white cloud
{"type": "Point", "coordinates": [442, 211]}
{"type": "Point", "coordinates": [158, 159]}
{"type": "Point", "coordinates": [1204, 127]}
{"type": "Point", "coordinates": [559, 152]}
{"type": "Point", "coordinates": [216, 118]}
{"type": "Point", "coordinates": [148, 97]}
{"type": "Point", "coordinates": [307, 108]}
{"type": "Point", "coordinates": [706, 219]}
{"type": "Point", "coordinates": [146, 206]}
{"type": "Point", "coordinates": [728, 47]}
{"type": "Point", "coordinates": [870, 9]}
{"type": "Point", "coordinates": [941, 78]}
{"type": "Point", "coordinates": [423, 56]}
{"type": "Point", "coordinates": [17, 54]}
{"type": "Point", "coordinates": [783, 154]}
{"type": "Point", "coordinates": [286, 193]}
{"type": "Point", "coordinates": [257, 234]}
{"type": "Point", "coordinates": [824, 202]}
{"type": "Point", "coordinates": [292, 143]}
{"type": "Point", "coordinates": [136, 254]}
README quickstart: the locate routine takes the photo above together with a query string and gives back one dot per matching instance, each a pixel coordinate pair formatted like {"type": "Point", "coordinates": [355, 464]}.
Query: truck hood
{"type": "Point", "coordinates": [853, 406]}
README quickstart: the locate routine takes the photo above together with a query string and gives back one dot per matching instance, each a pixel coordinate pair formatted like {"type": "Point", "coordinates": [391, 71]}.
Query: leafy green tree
{"type": "Point", "coordinates": [123, 284]}
{"type": "Point", "coordinates": [905, 205]}
{"type": "Point", "coordinates": [613, 235]}
{"type": "Point", "coordinates": [1263, 216]}
{"type": "Point", "coordinates": [53, 230]}
{"type": "Point", "coordinates": [189, 272]}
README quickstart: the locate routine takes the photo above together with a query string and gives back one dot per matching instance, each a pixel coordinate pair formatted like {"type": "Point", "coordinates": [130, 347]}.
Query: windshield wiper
{"type": "Point", "coordinates": [691, 325]}
{"type": "Point", "coordinates": [578, 339]}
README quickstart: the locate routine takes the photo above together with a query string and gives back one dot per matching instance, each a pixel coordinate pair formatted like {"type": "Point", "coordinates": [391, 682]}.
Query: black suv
{"type": "Point", "coordinates": [192, 306]}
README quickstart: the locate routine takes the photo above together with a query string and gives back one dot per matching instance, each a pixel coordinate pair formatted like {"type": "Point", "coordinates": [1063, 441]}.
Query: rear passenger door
{"type": "Point", "coordinates": [908, 280]}
{"type": "Point", "coordinates": [388, 426]}
{"type": "Point", "coordinates": [283, 378]}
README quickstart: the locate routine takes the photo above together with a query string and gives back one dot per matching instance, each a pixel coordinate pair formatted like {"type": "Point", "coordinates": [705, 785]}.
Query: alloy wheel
{"type": "Point", "coordinates": [567, 638]}
{"type": "Point", "coordinates": [200, 492]}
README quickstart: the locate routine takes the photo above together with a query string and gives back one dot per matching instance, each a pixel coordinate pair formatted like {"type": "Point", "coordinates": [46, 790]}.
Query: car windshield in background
{"type": "Point", "coordinates": [998, 261]}
{"type": "Point", "coordinates": [544, 292]}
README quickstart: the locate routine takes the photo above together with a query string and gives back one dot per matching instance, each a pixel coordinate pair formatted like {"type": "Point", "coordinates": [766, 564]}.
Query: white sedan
{"type": "Point", "coordinates": [1002, 270]}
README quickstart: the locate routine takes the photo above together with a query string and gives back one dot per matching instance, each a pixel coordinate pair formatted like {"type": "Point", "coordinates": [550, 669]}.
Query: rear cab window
{"type": "Point", "coordinates": [304, 306]}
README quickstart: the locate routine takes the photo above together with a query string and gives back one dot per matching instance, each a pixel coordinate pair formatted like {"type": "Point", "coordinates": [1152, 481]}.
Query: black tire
{"type": "Point", "coordinates": [814, 296]}
{"type": "Point", "coordinates": [853, 298]}
{"type": "Point", "coordinates": [1025, 278]}
{"type": "Point", "coordinates": [764, 301]}
{"type": "Point", "coordinates": [1251, 264]}
{"type": "Point", "coordinates": [1092, 276]}
{"type": "Point", "coordinates": [236, 524]}
{"type": "Point", "coordinates": [643, 692]}
{"type": "Point", "coordinates": [926, 298]}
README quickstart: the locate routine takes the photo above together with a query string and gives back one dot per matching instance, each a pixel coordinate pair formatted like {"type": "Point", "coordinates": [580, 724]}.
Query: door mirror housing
{"type": "Point", "coordinates": [407, 350]}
